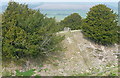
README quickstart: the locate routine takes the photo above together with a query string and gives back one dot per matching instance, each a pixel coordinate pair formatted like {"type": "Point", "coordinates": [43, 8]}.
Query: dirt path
{"type": "Point", "coordinates": [80, 56]}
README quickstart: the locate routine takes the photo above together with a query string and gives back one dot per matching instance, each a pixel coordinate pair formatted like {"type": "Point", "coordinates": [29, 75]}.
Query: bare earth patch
{"type": "Point", "coordinates": [81, 56]}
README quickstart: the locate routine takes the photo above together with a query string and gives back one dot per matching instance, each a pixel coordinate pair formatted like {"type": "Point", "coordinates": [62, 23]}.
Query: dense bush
{"type": "Point", "coordinates": [72, 21]}
{"type": "Point", "coordinates": [101, 25]}
{"type": "Point", "coordinates": [118, 32]}
{"type": "Point", "coordinates": [28, 33]}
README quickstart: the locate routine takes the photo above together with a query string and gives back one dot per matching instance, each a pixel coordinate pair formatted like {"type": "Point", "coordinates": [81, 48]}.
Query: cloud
{"type": "Point", "coordinates": [63, 6]}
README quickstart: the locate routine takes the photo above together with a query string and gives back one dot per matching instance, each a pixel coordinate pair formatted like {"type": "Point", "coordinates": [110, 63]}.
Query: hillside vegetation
{"type": "Point", "coordinates": [33, 42]}
{"type": "Point", "coordinates": [81, 58]}
{"type": "Point", "coordinates": [101, 25]}
{"type": "Point", "coordinates": [73, 21]}
{"type": "Point", "coordinates": [27, 33]}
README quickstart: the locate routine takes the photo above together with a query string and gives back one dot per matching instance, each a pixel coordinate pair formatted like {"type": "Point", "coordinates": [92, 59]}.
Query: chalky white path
{"type": "Point", "coordinates": [81, 56]}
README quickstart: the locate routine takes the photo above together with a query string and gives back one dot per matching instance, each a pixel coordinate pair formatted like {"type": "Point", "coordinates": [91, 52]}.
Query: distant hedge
{"type": "Point", "coordinates": [101, 25]}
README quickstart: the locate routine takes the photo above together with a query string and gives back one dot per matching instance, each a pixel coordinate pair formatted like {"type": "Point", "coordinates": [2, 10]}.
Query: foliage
{"type": "Point", "coordinates": [72, 21]}
{"type": "Point", "coordinates": [101, 25]}
{"type": "Point", "coordinates": [118, 32]}
{"type": "Point", "coordinates": [28, 33]}
{"type": "Point", "coordinates": [26, 73]}
{"type": "Point", "coordinates": [31, 72]}
{"type": "Point", "coordinates": [0, 36]}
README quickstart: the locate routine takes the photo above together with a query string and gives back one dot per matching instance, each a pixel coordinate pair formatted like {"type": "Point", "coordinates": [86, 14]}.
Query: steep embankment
{"type": "Point", "coordinates": [82, 56]}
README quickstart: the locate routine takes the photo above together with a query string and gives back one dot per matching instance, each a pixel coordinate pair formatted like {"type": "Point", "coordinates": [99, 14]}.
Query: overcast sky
{"type": "Point", "coordinates": [61, 0]}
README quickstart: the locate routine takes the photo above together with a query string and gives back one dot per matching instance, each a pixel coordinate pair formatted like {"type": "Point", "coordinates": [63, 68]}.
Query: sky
{"type": "Point", "coordinates": [61, 0]}
{"type": "Point", "coordinates": [60, 6]}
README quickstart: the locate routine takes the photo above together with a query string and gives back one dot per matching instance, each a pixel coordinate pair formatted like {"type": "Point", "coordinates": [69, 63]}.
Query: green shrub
{"type": "Point", "coordinates": [26, 73]}
{"type": "Point", "coordinates": [28, 33]}
{"type": "Point", "coordinates": [101, 25]}
{"type": "Point", "coordinates": [72, 21]}
{"type": "Point", "coordinates": [118, 32]}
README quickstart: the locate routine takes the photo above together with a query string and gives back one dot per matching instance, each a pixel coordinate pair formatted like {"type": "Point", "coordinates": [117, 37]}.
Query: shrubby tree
{"type": "Point", "coordinates": [28, 33]}
{"type": "Point", "coordinates": [118, 32]}
{"type": "Point", "coordinates": [101, 25]}
{"type": "Point", "coordinates": [0, 28]}
{"type": "Point", "coordinates": [72, 21]}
